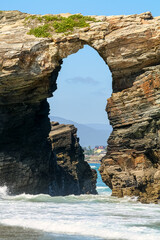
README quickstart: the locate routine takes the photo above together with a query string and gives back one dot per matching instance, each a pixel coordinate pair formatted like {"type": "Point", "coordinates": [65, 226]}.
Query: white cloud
{"type": "Point", "coordinates": [82, 80]}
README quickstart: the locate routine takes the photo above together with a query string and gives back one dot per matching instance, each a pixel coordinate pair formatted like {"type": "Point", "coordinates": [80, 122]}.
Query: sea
{"type": "Point", "coordinates": [84, 217]}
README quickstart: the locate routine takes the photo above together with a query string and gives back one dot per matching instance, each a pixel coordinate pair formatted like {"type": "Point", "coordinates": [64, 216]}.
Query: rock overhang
{"type": "Point", "coordinates": [126, 43]}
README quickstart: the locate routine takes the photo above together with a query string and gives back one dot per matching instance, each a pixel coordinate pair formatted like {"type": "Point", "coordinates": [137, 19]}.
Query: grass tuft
{"type": "Point", "coordinates": [57, 23]}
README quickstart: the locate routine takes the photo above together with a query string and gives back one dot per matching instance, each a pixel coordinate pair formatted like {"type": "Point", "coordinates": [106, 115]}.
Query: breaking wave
{"type": "Point", "coordinates": [84, 217]}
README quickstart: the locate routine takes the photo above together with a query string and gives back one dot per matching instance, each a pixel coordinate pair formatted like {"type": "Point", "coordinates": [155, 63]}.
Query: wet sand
{"type": "Point", "coordinates": [18, 233]}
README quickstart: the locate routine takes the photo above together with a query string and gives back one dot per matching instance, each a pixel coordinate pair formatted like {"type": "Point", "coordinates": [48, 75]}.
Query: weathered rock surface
{"type": "Point", "coordinates": [29, 66]}
{"type": "Point", "coordinates": [74, 175]}
{"type": "Point", "coordinates": [132, 164]}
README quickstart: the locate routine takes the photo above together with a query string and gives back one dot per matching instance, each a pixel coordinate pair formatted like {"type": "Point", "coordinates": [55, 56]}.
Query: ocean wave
{"type": "Point", "coordinates": [104, 196]}
{"type": "Point", "coordinates": [93, 166]}
{"type": "Point", "coordinates": [103, 187]}
{"type": "Point", "coordinates": [95, 216]}
{"type": "Point", "coordinates": [3, 192]}
{"type": "Point", "coordinates": [70, 199]}
{"type": "Point", "coordinates": [85, 228]}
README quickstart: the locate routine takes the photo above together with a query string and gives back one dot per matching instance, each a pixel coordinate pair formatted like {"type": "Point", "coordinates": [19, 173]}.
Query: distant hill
{"type": "Point", "coordinates": [99, 126]}
{"type": "Point", "coordinates": [89, 134]}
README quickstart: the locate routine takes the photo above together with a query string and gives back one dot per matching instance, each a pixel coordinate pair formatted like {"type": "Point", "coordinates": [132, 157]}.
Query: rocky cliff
{"type": "Point", "coordinates": [73, 174]}
{"type": "Point", "coordinates": [29, 68]}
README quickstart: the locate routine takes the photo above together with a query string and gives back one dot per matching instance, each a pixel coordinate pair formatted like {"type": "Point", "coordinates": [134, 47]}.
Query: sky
{"type": "Point", "coordinates": [84, 82]}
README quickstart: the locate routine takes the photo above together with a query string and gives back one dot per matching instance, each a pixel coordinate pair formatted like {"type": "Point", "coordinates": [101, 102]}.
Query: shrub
{"type": "Point", "coordinates": [68, 24]}
{"type": "Point", "coordinates": [49, 18]}
{"type": "Point", "coordinates": [41, 31]}
{"type": "Point", "coordinates": [30, 17]}
{"type": "Point", "coordinates": [58, 23]}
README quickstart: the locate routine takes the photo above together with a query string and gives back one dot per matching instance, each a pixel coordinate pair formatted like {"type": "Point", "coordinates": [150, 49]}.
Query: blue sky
{"type": "Point", "coordinates": [98, 7]}
{"type": "Point", "coordinates": [84, 82]}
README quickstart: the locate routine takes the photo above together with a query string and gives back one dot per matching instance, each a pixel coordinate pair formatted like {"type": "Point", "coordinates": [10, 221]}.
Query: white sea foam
{"type": "Point", "coordinates": [100, 187]}
{"type": "Point", "coordinates": [100, 216]}
{"type": "Point", "coordinates": [89, 216]}
{"type": "Point", "coordinates": [93, 166]}
{"type": "Point", "coordinates": [3, 192]}
{"type": "Point", "coordinates": [85, 228]}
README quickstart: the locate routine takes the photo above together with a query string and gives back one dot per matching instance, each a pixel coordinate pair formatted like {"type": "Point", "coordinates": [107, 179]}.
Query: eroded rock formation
{"type": "Point", "coordinates": [132, 164]}
{"type": "Point", "coordinates": [74, 175]}
{"type": "Point", "coordinates": [29, 66]}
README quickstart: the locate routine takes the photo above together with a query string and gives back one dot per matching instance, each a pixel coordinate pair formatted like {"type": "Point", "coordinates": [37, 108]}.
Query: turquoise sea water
{"type": "Point", "coordinates": [85, 217]}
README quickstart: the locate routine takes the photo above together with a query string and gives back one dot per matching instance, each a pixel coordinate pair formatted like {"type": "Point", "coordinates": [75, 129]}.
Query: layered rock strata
{"type": "Point", "coordinates": [74, 175]}
{"type": "Point", "coordinates": [132, 164]}
{"type": "Point", "coordinates": [29, 66]}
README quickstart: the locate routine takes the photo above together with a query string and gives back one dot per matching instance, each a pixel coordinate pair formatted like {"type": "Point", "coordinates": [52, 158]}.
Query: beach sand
{"type": "Point", "coordinates": [18, 233]}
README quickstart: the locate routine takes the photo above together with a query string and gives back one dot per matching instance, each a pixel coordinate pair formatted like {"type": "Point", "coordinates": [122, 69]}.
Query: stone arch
{"type": "Point", "coordinates": [29, 67]}
{"type": "Point", "coordinates": [89, 66]}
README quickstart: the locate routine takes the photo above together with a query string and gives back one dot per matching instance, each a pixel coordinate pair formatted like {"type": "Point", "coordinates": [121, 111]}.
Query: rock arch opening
{"type": "Point", "coordinates": [83, 86]}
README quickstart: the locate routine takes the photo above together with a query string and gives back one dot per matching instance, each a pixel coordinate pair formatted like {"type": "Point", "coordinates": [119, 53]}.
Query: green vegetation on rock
{"type": "Point", "coordinates": [68, 24]}
{"type": "Point", "coordinates": [41, 31]}
{"type": "Point", "coordinates": [43, 26]}
{"type": "Point", "coordinates": [49, 18]}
